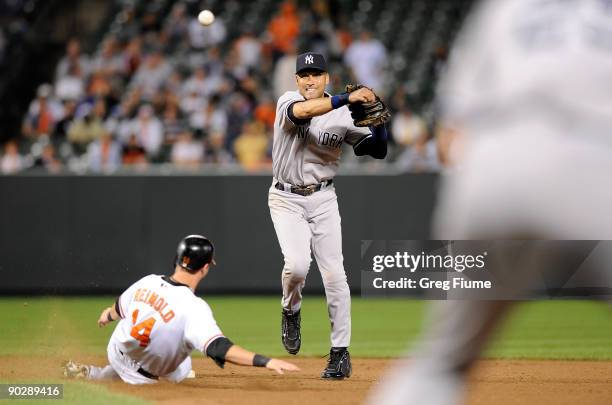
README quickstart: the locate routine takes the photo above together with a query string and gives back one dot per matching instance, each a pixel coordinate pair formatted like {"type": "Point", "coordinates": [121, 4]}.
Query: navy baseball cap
{"type": "Point", "coordinates": [310, 61]}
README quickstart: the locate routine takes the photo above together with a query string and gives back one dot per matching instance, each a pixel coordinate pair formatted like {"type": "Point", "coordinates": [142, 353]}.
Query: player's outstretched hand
{"type": "Point", "coordinates": [281, 366]}
{"type": "Point", "coordinates": [103, 321]}
{"type": "Point", "coordinates": [361, 95]}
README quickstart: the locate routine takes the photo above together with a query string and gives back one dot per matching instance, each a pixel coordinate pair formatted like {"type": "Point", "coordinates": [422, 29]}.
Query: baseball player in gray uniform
{"type": "Point", "coordinates": [310, 128]}
{"type": "Point", "coordinates": [527, 107]}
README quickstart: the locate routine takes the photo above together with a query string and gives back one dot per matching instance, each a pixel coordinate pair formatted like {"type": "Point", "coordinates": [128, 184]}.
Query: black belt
{"type": "Point", "coordinates": [145, 373]}
{"type": "Point", "coordinates": [303, 190]}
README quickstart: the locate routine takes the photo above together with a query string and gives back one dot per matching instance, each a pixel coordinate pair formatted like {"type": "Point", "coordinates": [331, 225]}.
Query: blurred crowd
{"type": "Point", "coordinates": [162, 88]}
{"type": "Point", "coordinates": [14, 25]}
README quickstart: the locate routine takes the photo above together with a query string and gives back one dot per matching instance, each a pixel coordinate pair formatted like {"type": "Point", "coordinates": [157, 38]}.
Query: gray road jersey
{"type": "Point", "coordinates": [309, 154]}
{"type": "Point", "coordinates": [532, 62]}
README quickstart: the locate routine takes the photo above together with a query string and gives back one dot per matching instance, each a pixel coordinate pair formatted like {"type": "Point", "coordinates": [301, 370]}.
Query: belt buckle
{"type": "Point", "coordinates": [305, 191]}
{"type": "Point", "coordinates": [309, 191]}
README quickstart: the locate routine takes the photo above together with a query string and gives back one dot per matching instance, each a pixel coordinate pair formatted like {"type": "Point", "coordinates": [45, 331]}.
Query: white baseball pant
{"type": "Point", "coordinates": [127, 369]}
{"type": "Point", "coordinates": [312, 222]}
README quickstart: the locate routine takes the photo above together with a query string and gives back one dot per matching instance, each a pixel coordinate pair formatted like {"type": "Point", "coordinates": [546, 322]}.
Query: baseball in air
{"type": "Point", "coordinates": [206, 17]}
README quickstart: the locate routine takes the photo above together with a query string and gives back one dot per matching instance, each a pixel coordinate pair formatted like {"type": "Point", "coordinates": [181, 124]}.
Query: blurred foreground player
{"type": "Point", "coordinates": [163, 321]}
{"type": "Point", "coordinates": [527, 110]}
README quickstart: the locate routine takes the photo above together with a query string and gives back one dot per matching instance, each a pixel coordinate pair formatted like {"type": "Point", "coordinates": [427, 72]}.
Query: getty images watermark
{"type": "Point", "coordinates": [405, 261]}
{"type": "Point", "coordinates": [486, 270]}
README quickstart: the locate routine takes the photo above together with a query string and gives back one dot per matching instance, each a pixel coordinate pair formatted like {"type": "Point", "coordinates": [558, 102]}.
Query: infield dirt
{"type": "Point", "coordinates": [494, 382]}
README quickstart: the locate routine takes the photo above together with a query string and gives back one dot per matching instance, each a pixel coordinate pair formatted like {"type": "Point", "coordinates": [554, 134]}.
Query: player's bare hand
{"type": "Point", "coordinates": [281, 366]}
{"type": "Point", "coordinates": [362, 95]}
{"type": "Point", "coordinates": [103, 321]}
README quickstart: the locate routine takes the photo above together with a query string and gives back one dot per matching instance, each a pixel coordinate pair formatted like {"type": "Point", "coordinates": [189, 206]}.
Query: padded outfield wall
{"type": "Point", "coordinates": [98, 234]}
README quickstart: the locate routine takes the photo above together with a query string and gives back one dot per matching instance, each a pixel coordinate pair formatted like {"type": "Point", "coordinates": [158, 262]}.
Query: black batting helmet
{"type": "Point", "coordinates": [194, 252]}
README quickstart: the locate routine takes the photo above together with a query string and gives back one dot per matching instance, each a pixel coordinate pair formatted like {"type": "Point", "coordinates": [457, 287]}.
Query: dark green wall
{"type": "Point", "coordinates": [98, 234]}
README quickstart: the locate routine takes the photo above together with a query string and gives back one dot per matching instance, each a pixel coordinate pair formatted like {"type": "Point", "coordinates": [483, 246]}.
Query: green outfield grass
{"type": "Point", "coordinates": [381, 328]}
{"type": "Point", "coordinates": [81, 392]}
{"type": "Point", "coordinates": [66, 327]}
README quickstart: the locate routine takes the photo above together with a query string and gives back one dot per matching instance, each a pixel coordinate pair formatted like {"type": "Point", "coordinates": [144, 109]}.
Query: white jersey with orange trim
{"type": "Point", "coordinates": [163, 322]}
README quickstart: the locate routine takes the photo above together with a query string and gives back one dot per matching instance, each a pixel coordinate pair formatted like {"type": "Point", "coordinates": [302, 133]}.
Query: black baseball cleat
{"type": "Point", "coordinates": [292, 339]}
{"type": "Point", "coordinates": [338, 365]}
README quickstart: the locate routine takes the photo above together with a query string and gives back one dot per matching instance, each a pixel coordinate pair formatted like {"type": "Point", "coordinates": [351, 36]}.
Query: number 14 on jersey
{"type": "Point", "coordinates": [142, 330]}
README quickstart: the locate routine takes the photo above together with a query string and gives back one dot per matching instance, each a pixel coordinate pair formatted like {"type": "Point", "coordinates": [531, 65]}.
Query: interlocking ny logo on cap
{"type": "Point", "coordinates": [310, 61]}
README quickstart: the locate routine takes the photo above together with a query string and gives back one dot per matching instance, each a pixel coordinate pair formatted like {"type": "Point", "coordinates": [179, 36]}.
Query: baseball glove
{"type": "Point", "coordinates": [374, 113]}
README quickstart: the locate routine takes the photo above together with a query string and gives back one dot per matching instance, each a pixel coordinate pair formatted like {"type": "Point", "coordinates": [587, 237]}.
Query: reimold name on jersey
{"type": "Point", "coordinates": [155, 301]}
